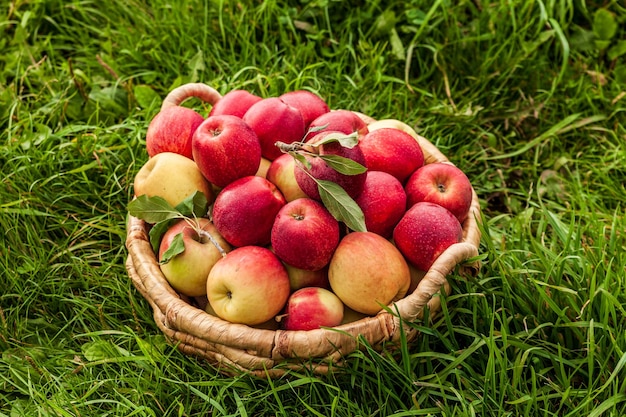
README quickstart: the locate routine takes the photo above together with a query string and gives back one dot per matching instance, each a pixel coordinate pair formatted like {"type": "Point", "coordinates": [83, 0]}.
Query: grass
{"type": "Point", "coordinates": [526, 97]}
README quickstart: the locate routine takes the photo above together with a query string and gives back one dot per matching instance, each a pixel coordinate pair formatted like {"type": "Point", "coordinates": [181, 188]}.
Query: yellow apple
{"type": "Point", "coordinates": [368, 272]}
{"type": "Point", "coordinates": [173, 177]}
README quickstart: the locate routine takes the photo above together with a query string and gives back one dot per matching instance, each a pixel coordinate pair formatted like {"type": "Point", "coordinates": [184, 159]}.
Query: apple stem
{"type": "Point", "coordinates": [289, 147]}
{"type": "Point", "coordinates": [204, 234]}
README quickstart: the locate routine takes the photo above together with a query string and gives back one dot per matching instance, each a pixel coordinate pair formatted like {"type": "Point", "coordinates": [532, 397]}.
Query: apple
{"type": "Point", "coordinates": [394, 124]}
{"type": "Point", "coordinates": [441, 183]}
{"type": "Point", "coordinates": [311, 105]}
{"type": "Point", "coordinates": [187, 271]}
{"type": "Point", "coordinates": [343, 121]}
{"type": "Point", "coordinates": [226, 149]}
{"type": "Point", "coordinates": [424, 232]}
{"type": "Point", "coordinates": [383, 202]}
{"type": "Point", "coordinates": [352, 184]}
{"type": "Point", "coordinates": [300, 278]}
{"type": "Point", "coordinates": [244, 211]}
{"type": "Point", "coordinates": [281, 172]}
{"type": "Point", "coordinates": [171, 130]}
{"type": "Point", "coordinates": [234, 103]}
{"type": "Point", "coordinates": [367, 272]}
{"type": "Point", "coordinates": [311, 308]}
{"type": "Point", "coordinates": [264, 166]}
{"type": "Point", "coordinates": [249, 286]}
{"type": "Point", "coordinates": [173, 177]}
{"type": "Point", "coordinates": [273, 120]}
{"type": "Point", "coordinates": [392, 151]}
{"type": "Point", "coordinates": [305, 234]}
{"type": "Point", "coordinates": [350, 316]}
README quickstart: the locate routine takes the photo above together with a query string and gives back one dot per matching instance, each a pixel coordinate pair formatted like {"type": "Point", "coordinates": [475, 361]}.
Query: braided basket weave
{"type": "Point", "coordinates": [235, 348]}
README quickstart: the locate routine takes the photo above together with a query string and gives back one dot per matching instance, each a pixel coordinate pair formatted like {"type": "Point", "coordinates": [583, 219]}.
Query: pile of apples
{"type": "Point", "coordinates": [314, 217]}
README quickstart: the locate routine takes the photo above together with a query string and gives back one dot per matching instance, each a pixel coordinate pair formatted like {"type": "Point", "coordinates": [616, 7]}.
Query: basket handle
{"type": "Point", "coordinates": [185, 91]}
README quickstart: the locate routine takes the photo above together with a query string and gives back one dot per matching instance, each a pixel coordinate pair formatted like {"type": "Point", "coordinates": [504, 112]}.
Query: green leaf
{"type": "Point", "coordinates": [196, 205]}
{"type": "Point", "coordinates": [347, 141]}
{"type": "Point", "coordinates": [604, 24]}
{"type": "Point", "coordinates": [397, 47]}
{"type": "Point", "coordinates": [617, 50]}
{"type": "Point", "coordinates": [301, 159]}
{"type": "Point", "coordinates": [343, 165]}
{"type": "Point", "coordinates": [157, 231]}
{"type": "Point", "coordinates": [146, 97]}
{"type": "Point", "coordinates": [341, 205]}
{"type": "Point", "coordinates": [315, 129]}
{"type": "Point", "coordinates": [152, 209]}
{"type": "Point", "coordinates": [176, 247]}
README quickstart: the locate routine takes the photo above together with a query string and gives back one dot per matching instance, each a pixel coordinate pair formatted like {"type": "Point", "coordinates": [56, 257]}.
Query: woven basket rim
{"type": "Point", "coordinates": [235, 348]}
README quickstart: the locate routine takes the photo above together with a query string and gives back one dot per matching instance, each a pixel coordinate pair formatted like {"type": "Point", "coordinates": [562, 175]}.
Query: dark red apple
{"type": "Point", "coordinates": [226, 149]}
{"type": "Point", "coordinates": [244, 211]}
{"type": "Point", "coordinates": [273, 120]}
{"type": "Point", "coordinates": [383, 202]}
{"type": "Point", "coordinates": [305, 234]}
{"type": "Point", "coordinates": [171, 130]}
{"type": "Point", "coordinates": [234, 103]}
{"type": "Point", "coordinates": [311, 105]}
{"type": "Point", "coordinates": [424, 232]}
{"type": "Point", "coordinates": [352, 184]}
{"type": "Point", "coordinates": [443, 184]}
{"type": "Point", "coordinates": [393, 151]}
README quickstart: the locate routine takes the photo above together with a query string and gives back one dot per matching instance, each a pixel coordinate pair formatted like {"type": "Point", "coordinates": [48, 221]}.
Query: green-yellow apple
{"type": "Point", "coordinates": [443, 184]}
{"type": "Point", "coordinates": [171, 130]}
{"type": "Point", "coordinates": [305, 234]}
{"type": "Point", "coordinates": [311, 308]}
{"type": "Point", "coordinates": [300, 278]}
{"type": "Point", "coordinates": [424, 232]}
{"type": "Point", "coordinates": [311, 105]}
{"type": "Point", "coordinates": [319, 169]}
{"type": "Point", "coordinates": [173, 177]}
{"type": "Point", "coordinates": [273, 120]}
{"type": "Point", "coordinates": [394, 124]}
{"type": "Point", "coordinates": [281, 172]}
{"type": "Point", "coordinates": [226, 149]}
{"type": "Point", "coordinates": [244, 211]}
{"type": "Point", "coordinates": [187, 272]}
{"type": "Point", "coordinates": [234, 103]}
{"type": "Point", "coordinates": [383, 202]}
{"type": "Point", "coordinates": [368, 272]}
{"type": "Point", "coordinates": [343, 121]}
{"type": "Point", "coordinates": [249, 285]}
{"type": "Point", "coordinates": [392, 151]}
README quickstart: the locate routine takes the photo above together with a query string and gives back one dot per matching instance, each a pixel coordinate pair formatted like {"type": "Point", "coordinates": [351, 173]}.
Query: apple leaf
{"type": "Point", "coordinates": [176, 247]}
{"type": "Point", "coordinates": [343, 165]}
{"type": "Point", "coordinates": [196, 205]}
{"type": "Point", "coordinates": [301, 159]}
{"type": "Point", "coordinates": [315, 129]}
{"type": "Point", "coordinates": [347, 141]}
{"type": "Point", "coordinates": [341, 205]}
{"type": "Point", "coordinates": [157, 231]}
{"type": "Point", "coordinates": [152, 209]}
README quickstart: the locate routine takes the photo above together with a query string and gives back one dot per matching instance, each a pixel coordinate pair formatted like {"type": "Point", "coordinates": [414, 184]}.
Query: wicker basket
{"type": "Point", "coordinates": [235, 348]}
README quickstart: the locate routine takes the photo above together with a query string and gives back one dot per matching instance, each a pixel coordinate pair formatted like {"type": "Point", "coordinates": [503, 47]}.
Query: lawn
{"type": "Point", "coordinates": [527, 97]}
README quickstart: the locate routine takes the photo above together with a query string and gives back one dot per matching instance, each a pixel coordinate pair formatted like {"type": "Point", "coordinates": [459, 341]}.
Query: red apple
{"type": "Point", "coordinates": [187, 271]}
{"type": "Point", "coordinates": [392, 151]}
{"type": "Point", "coordinates": [234, 103]}
{"type": "Point", "coordinates": [300, 278]}
{"type": "Point", "coordinates": [311, 105]}
{"type": "Point", "coordinates": [443, 184]}
{"type": "Point", "coordinates": [368, 272]}
{"type": "Point", "coordinates": [352, 184]}
{"type": "Point", "coordinates": [424, 232]}
{"type": "Point", "coordinates": [383, 202]}
{"type": "Point", "coordinates": [343, 121]}
{"type": "Point", "coordinates": [311, 308]}
{"type": "Point", "coordinates": [273, 120]}
{"type": "Point", "coordinates": [244, 211]}
{"type": "Point", "coordinates": [249, 285]}
{"type": "Point", "coordinates": [171, 130]}
{"type": "Point", "coordinates": [226, 149]}
{"type": "Point", "coordinates": [281, 172]}
{"type": "Point", "coordinates": [305, 234]}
